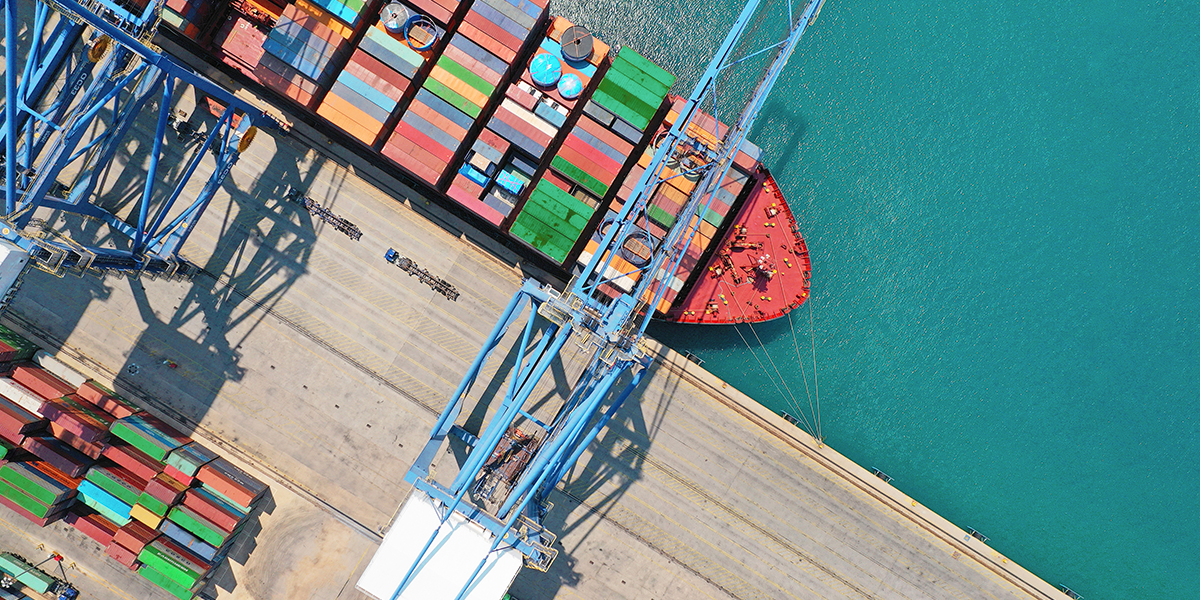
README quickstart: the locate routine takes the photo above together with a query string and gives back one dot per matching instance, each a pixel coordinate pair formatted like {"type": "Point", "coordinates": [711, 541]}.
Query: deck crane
{"type": "Point", "coordinates": [68, 109]}
{"type": "Point", "coordinates": [468, 538]}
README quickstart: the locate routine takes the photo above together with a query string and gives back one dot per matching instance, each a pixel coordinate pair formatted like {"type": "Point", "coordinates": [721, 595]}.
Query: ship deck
{"type": "Point", "coordinates": [314, 359]}
{"type": "Point", "coordinates": [760, 269]}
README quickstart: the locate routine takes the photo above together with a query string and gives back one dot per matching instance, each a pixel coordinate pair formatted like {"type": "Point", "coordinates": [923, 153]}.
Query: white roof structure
{"type": "Point", "coordinates": [445, 569]}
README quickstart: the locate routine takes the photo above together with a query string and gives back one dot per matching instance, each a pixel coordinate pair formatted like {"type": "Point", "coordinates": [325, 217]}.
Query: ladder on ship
{"type": "Point", "coordinates": [452, 540]}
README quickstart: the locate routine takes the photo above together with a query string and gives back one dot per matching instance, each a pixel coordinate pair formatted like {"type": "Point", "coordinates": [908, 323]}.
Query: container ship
{"type": "Point", "coordinates": [520, 121]}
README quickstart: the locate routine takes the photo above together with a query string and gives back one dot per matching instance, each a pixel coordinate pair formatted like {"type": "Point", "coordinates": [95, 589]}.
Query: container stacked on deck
{"type": "Point", "coordinates": [157, 501]}
{"type": "Point", "coordinates": [188, 16]}
{"type": "Point", "coordinates": [498, 29]}
{"type": "Point", "coordinates": [302, 47]}
{"type": "Point", "coordinates": [458, 90]}
{"type": "Point", "coordinates": [492, 179]}
{"type": "Point", "coordinates": [668, 201]}
{"type": "Point", "coordinates": [373, 82]}
{"type": "Point", "coordinates": [592, 154]}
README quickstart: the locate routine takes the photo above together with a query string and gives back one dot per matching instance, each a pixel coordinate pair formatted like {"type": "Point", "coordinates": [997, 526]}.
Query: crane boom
{"type": "Point", "coordinates": [456, 540]}
{"type": "Point", "coordinates": [79, 128]}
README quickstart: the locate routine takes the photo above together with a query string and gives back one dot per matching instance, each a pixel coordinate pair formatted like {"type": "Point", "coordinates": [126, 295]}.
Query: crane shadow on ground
{"type": "Point", "coordinates": [261, 247]}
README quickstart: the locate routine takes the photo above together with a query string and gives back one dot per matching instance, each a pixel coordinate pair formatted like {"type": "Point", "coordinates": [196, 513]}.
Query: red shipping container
{"type": "Point", "coordinates": [426, 158]}
{"type": "Point", "coordinates": [236, 484]}
{"type": "Point", "coordinates": [521, 97]}
{"type": "Point", "coordinates": [135, 535]}
{"type": "Point", "coordinates": [123, 555]}
{"type": "Point", "coordinates": [373, 80]}
{"type": "Point", "coordinates": [486, 42]}
{"type": "Point", "coordinates": [557, 180]}
{"type": "Point", "coordinates": [107, 401]}
{"type": "Point", "coordinates": [516, 122]}
{"type": "Point", "coordinates": [494, 140]}
{"type": "Point", "coordinates": [178, 475]}
{"type": "Point", "coordinates": [42, 382]}
{"type": "Point", "coordinates": [381, 70]}
{"type": "Point", "coordinates": [423, 141]}
{"type": "Point", "coordinates": [75, 415]}
{"type": "Point", "coordinates": [452, 129]}
{"type": "Point", "coordinates": [472, 188]}
{"type": "Point", "coordinates": [242, 45]}
{"type": "Point", "coordinates": [58, 455]}
{"type": "Point", "coordinates": [494, 31]}
{"type": "Point", "coordinates": [18, 420]}
{"type": "Point", "coordinates": [138, 462]}
{"type": "Point", "coordinates": [394, 151]}
{"type": "Point", "coordinates": [165, 489]}
{"type": "Point", "coordinates": [91, 450]}
{"type": "Point", "coordinates": [602, 162]}
{"type": "Point", "coordinates": [225, 519]}
{"type": "Point", "coordinates": [438, 10]}
{"type": "Point", "coordinates": [475, 204]}
{"type": "Point", "coordinates": [91, 524]}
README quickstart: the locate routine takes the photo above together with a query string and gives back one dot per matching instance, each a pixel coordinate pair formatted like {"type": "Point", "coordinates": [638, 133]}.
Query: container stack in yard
{"type": "Point", "coordinates": [72, 449]}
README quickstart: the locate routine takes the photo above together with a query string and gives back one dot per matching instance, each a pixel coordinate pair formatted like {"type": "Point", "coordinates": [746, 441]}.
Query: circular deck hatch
{"type": "Point", "coordinates": [393, 17]}
{"type": "Point", "coordinates": [570, 86]}
{"type": "Point", "coordinates": [577, 43]}
{"type": "Point", "coordinates": [545, 70]}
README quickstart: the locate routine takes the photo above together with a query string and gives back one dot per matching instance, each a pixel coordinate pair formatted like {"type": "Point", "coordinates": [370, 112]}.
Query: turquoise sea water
{"type": "Point", "coordinates": [1003, 205]}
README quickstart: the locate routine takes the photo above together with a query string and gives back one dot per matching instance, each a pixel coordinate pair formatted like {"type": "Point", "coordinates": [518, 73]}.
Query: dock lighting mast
{"type": "Point", "coordinates": [68, 109]}
{"type": "Point", "coordinates": [468, 538]}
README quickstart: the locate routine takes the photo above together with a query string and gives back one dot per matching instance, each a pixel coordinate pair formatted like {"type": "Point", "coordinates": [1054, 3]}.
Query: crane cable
{"type": "Point", "coordinates": [816, 409]}
{"type": "Point", "coordinates": [790, 398]}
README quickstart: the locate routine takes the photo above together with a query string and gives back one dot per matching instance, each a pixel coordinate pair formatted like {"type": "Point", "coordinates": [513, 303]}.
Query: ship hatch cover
{"type": "Point", "coordinates": [577, 43]}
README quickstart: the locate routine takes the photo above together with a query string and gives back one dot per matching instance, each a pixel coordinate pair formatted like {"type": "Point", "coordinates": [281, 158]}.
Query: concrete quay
{"type": "Point", "coordinates": [306, 355]}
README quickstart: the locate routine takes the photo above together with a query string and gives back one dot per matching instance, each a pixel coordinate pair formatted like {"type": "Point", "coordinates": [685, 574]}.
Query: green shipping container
{"type": "Point", "coordinates": [158, 578]}
{"type": "Point", "coordinates": [117, 487]}
{"type": "Point", "coordinates": [153, 504]}
{"type": "Point", "coordinates": [25, 501]}
{"type": "Point", "coordinates": [197, 527]}
{"type": "Point", "coordinates": [628, 55]}
{"type": "Point", "coordinates": [452, 97]}
{"type": "Point", "coordinates": [466, 76]}
{"type": "Point", "coordinates": [592, 184]}
{"type": "Point", "coordinates": [631, 82]}
{"type": "Point", "coordinates": [44, 491]}
{"type": "Point", "coordinates": [25, 348]}
{"type": "Point", "coordinates": [177, 571]}
{"type": "Point", "coordinates": [137, 439]}
{"type": "Point", "coordinates": [660, 216]}
{"type": "Point", "coordinates": [638, 114]}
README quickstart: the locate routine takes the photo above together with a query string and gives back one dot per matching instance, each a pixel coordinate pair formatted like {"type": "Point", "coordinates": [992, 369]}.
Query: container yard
{"type": "Point", "coordinates": [153, 499]}
{"type": "Point", "coordinates": [474, 145]}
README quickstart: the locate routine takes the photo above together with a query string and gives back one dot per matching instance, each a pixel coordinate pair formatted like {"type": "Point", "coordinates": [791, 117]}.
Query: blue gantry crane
{"type": "Point", "coordinates": [468, 538]}
{"type": "Point", "coordinates": [88, 72]}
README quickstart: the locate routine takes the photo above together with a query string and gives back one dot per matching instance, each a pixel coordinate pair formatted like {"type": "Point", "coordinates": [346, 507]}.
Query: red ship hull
{"type": "Point", "coordinates": [760, 269]}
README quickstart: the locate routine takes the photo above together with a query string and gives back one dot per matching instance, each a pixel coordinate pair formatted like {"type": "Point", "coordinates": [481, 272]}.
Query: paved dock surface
{"type": "Point", "coordinates": [306, 354]}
